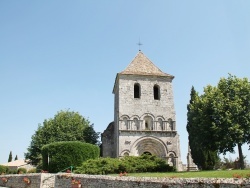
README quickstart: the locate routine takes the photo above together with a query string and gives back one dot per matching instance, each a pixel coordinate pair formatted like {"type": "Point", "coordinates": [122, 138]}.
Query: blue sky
{"type": "Point", "coordinates": [60, 55]}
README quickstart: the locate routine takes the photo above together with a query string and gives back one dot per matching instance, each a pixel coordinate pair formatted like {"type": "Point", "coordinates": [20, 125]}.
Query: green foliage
{"type": "Point", "coordinates": [65, 126]}
{"type": "Point", "coordinates": [90, 136]}
{"type": "Point", "coordinates": [130, 164]}
{"type": "Point", "coordinates": [33, 170]}
{"type": "Point", "coordinates": [203, 157]}
{"type": "Point", "coordinates": [10, 157]}
{"type": "Point", "coordinates": [21, 170]}
{"type": "Point", "coordinates": [222, 114]}
{"type": "Point", "coordinates": [196, 174]}
{"type": "Point", "coordinates": [58, 156]}
{"type": "Point", "coordinates": [16, 158]}
{"type": "Point", "coordinates": [3, 169]}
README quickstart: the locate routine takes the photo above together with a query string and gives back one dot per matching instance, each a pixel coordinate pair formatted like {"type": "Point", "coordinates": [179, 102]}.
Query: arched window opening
{"type": "Point", "coordinates": [137, 91]}
{"type": "Point", "coordinates": [136, 124]}
{"type": "Point", "coordinates": [171, 160]}
{"type": "Point", "coordinates": [148, 123]}
{"type": "Point", "coordinates": [156, 92]}
{"type": "Point", "coordinates": [125, 123]}
{"type": "Point", "coordinates": [160, 124]}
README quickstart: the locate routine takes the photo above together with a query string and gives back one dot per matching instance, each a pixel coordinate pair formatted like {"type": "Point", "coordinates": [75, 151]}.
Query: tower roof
{"type": "Point", "coordinates": [141, 65]}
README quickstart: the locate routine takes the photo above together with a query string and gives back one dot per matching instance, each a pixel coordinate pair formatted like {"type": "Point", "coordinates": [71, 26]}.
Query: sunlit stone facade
{"type": "Point", "coordinates": [144, 114]}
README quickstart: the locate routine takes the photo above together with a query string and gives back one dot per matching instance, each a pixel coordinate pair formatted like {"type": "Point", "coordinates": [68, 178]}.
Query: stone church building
{"type": "Point", "coordinates": [144, 114]}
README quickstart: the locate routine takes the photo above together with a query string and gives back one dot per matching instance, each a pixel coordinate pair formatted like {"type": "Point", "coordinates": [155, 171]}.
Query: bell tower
{"type": "Point", "coordinates": [144, 114]}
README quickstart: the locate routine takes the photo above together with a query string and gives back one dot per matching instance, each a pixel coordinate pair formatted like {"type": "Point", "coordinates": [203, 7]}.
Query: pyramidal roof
{"type": "Point", "coordinates": [141, 65]}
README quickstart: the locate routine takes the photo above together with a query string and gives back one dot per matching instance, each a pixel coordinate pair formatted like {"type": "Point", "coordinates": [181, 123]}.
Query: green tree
{"type": "Point", "coordinates": [65, 126]}
{"type": "Point", "coordinates": [233, 115]}
{"type": "Point", "coordinates": [16, 158]}
{"type": "Point", "coordinates": [10, 157]}
{"type": "Point", "coordinates": [204, 158]}
{"type": "Point", "coordinates": [223, 118]}
{"type": "Point", "coordinates": [90, 136]}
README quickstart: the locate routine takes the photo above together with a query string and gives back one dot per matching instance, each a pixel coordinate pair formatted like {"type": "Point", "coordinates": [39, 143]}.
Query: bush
{"type": "Point", "coordinates": [130, 164]}
{"type": "Point", "coordinates": [21, 170]}
{"type": "Point", "coordinates": [33, 170]}
{"type": "Point", "coordinates": [3, 169]}
{"type": "Point", "coordinates": [63, 155]}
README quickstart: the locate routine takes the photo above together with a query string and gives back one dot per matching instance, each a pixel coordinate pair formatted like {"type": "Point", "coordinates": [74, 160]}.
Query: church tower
{"type": "Point", "coordinates": [144, 114]}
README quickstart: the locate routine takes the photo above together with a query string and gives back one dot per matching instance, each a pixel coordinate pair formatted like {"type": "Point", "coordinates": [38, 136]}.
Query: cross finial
{"type": "Point", "coordinates": [139, 44]}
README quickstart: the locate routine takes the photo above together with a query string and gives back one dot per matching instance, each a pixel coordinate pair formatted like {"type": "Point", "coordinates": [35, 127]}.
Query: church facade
{"type": "Point", "coordinates": [144, 114]}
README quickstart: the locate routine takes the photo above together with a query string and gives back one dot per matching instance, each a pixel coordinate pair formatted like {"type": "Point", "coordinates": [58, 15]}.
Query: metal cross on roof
{"type": "Point", "coordinates": [139, 44]}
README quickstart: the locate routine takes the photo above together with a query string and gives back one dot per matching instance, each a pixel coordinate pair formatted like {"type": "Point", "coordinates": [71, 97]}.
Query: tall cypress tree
{"type": "Point", "coordinates": [204, 158]}
{"type": "Point", "coordinates": [16, 158]}
{"type": "Point", "coordinates": [10, 157]}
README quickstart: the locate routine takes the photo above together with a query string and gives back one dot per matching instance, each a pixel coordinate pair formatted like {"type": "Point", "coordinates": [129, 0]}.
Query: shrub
{"type": "Point", "coordinates": [3, 169]}
{"type": "Point", "coordinates": [21, 170]}
{"type": "Point", "coordinates": [59, 156]}
{"type": "Point", "coordinates": [33, 170]}
{"type": "Point", "coordinates": [129, 164]}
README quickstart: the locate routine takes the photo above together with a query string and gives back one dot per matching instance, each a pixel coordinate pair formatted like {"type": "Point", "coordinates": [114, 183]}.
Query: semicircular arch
{"type": "Point", "coordinates": [150, 144]}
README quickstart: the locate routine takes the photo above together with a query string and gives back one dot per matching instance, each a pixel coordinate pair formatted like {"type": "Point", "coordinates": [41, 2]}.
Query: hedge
{"type": "Point", "coordinates": [129, 164]}
{"type": "Point", "coordinates": [60, 156]}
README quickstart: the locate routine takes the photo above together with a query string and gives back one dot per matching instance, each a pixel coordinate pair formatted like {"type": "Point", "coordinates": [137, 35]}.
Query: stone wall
{"type": "Point", "coordinates": [43, 180]}
{"type": "Point", "coordinates": [90, 181]}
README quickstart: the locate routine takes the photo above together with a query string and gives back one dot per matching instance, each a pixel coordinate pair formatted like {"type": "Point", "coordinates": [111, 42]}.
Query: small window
{"type": "Point", "coordinates": [156, 92]}
{"type": "Point", "coordinates": [137, 91]}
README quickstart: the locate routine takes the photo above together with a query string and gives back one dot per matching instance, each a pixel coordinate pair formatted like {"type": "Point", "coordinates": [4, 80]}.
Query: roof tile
{"type": "Point", "coordinates": [141, 65]}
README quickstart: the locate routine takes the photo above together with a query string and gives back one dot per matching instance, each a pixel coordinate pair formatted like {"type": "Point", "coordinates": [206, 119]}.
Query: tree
{"type": "Point", "coordinates": [10, 157]}
{"type": "Point", "coordinates": [65, 126]}
{"type": "Point", "coordinates": [223, 116]}
{"type": "Point", "coordinates": [233, 115]}
{"type": "Point", "coordinates": [204, 158]}
{"type": "Point", "coordinates": [90, 136]}
{"type": "Point", "coordinates": [16, 158]}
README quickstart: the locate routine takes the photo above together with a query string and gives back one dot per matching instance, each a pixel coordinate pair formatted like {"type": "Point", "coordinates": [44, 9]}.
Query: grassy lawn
{"type": "Point", "coordinates": [198, 174]}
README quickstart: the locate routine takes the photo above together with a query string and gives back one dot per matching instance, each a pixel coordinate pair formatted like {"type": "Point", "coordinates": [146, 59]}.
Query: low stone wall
{"type": "Point", "coordinates": [45, 180]}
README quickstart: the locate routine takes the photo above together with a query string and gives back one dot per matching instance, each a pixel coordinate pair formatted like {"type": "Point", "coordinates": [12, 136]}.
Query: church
{"type": "Point", "coordinates": [144, 114]}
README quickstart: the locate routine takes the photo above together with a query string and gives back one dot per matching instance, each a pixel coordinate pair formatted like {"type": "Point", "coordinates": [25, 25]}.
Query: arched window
{"type": "Point", "coordinates": [160, 124]}
{"type": "Point", "coordinates": [148, 123]}
{"type": "Point", "coordinates": [156, 92]}
{"type": "Point", "coordinates": [137, 91]}
{"type": "Point", "coordinates": [125, 123]}
{"type": "Point", "coordinates": [136, 124]}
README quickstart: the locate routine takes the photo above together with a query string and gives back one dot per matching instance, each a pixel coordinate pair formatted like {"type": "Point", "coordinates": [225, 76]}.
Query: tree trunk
{"type": "Point", "coordinates": [241, 158]}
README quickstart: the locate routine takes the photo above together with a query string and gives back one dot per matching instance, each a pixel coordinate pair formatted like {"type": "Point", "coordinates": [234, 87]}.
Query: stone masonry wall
{"type": "Point", "coordinates": [90, 181]}
{"type": "Point", "coordinates": [43, 180]}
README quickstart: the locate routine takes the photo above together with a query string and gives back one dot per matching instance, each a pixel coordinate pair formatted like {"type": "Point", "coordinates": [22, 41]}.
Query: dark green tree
{"type": "Point", "coordinates": [10, 157]}
{"type": "Point", "coordinates": [204, 158]}
{"type": "Point", "coordinates": [223, 116]}
{"type": "Point", "coordinates": [65, 126]}
{"type": "Point", "coordinates": [16, 158]}
{"type": "Point", "coordinates": [90, 136]}
{"type": "Point", "coordinates": [233, 115]}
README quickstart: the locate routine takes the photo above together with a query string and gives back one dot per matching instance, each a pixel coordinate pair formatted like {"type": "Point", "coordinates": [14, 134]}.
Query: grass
{"type": "Point", "coordinates": [198, 174]}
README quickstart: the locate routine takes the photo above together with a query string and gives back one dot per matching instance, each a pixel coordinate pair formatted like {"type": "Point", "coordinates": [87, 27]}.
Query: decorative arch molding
{"type": "Point", "coordinates": [160, 117]}
{"type": "Point", "coordinates": [124, 116]}
{"type": "Point", "coordinates": [147, 114]}
{"type": "Point", "coordinates": [151, 145]}
{"type": "Point", "coordinates": [125, 152]}
{"type": "Point", "coordinates": [135, 116]}
{"type": "Point", "coordinates": [172, 153]}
